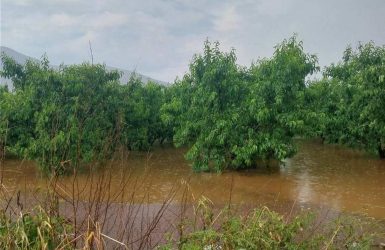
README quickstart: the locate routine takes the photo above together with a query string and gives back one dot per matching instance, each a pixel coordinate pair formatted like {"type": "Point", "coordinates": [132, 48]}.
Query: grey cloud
{"type": "Point", "coordinates": [158, 38]}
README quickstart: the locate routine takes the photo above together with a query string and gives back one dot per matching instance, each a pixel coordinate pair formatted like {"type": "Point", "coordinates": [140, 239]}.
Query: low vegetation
{"type": "Point", "coordinates": [101, 223]}
{"type": "Point", "coordinates": [34, 230]}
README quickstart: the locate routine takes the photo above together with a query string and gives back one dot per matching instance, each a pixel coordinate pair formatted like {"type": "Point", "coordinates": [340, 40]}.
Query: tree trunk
{"type": "Point", "coordinates": [2, 151]}
{"type": "Point", "coordinates": [322, 138]}
{"type": "Point", "coordinates": [381, 152]}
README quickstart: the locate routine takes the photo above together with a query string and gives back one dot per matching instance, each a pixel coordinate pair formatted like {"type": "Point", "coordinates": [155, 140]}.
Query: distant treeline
{"type": "Point", "coordinates": [229, 116]}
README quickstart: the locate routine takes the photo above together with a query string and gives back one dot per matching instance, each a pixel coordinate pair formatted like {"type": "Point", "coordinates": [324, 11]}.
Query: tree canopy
{"type": "Point", "coordinates": [231, 116]}
{"type": "Point", "coordinates": [350, 100]}
{"type": "Point", "coordinates": [77, 114]}
{"type": "Point", "coordinates": [228, 116]}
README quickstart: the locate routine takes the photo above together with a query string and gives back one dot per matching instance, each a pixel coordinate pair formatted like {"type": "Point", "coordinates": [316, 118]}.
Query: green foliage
{"type": "Point", "coordinates": [207, 116]}
{"type": "Point", "coordinates": [61, 117]}
{"type": "Point", "coordinates": [176, 102]}
{"type": "Point", "coordinates": [231, 116]}
{"type": "Point", "coordinates": [77, 114]}
{"type": "Point", "coordinates": [78, 118]}
{"type": "Point", "coordinates": [349, 101]}
{"type": "Point", "coordinates": [3, 119]}
{"type": "Point", "coordinates": [141, 105]}
{"type": "Point", "coordinates": [275, 103]}
{"type": "Point", "coordinates": [16, 124]}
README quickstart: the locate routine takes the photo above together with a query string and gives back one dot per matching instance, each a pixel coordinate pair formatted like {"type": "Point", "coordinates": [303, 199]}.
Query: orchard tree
{"type": "Point", "coordinates": [61, 118]}
{"type": "Point", "coordinates": [274, 107]}
{"type": "Point", "coordinates": [19, 106]}
{"type": "Point", "coordinates": [360, 78]}
{"type": "Point", "coordinates": [79, 118]}
{"type": "Point", "coordinates": [235, 116]}
{"type": "Point", "coordinates": [208, 123]}
{"type": "Point", "coordinates": [177, 100]}
{"type": "Point", "coordinates": [141, 104]}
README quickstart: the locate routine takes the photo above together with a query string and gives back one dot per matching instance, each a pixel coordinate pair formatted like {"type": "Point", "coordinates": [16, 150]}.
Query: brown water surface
{"type": "Point", "coordinates": [319, 175]}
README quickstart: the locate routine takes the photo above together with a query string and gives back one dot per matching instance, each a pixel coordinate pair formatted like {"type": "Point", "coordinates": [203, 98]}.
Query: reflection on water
{"type": "Point", "coordinates": [320, 175]}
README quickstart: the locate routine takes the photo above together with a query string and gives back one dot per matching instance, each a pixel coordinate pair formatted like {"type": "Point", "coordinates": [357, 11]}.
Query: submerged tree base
{"type": "Point", "coordinates": [381, 152]}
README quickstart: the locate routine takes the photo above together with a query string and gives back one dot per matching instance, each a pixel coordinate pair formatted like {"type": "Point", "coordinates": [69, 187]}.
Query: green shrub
{"type": "Point", "coordinates": [265, 229]}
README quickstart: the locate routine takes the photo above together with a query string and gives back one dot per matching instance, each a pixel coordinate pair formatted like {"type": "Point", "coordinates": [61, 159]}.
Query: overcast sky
{"type": "Point", "coordinates": [158, 38]}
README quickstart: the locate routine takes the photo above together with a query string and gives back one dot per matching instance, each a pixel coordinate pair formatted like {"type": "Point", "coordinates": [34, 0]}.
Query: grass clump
{"type": "Point", "coordinates": [34, 230]}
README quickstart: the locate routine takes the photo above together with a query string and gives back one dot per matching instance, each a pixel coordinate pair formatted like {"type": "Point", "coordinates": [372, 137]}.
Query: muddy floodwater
{"type": "Point", "coordinates": [318, 175]}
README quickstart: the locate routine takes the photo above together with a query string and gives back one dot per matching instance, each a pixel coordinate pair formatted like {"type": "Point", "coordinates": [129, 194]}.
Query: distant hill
{"type": "Point", "coordinates": [21, 59]}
